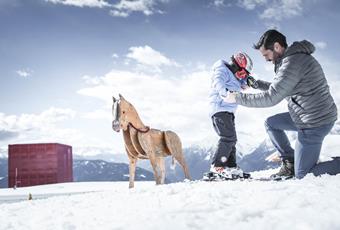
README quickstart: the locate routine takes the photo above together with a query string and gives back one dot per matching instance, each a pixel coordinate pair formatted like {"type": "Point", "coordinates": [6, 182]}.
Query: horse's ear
{"type": "Point", "coordinates": [121, 97]}
{"type": "Point", "coordinates": [114, 99]}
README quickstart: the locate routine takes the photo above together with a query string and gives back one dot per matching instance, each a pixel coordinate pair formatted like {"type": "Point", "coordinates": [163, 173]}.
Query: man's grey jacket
{"type": "Point", "coordinates": [301, 80]}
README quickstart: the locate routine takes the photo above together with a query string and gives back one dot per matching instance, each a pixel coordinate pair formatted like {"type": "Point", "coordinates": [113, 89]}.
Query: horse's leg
{"type": "Point", "coordinates": [132, 167]}
{"type": "Point", "coordinates": [154, 164]}
{"type": "Point", "coordinates": [161, 165]}
{"type": "Point", "coordinates": [147, 144]}
{"type": "Point", "coordinates": [175, 147]}
{"type": "Point", "coordinates": [132, 170]}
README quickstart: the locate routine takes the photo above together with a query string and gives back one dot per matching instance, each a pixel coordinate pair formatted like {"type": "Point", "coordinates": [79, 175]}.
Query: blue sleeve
{"type": "Point", "coordinates": [219, 80]}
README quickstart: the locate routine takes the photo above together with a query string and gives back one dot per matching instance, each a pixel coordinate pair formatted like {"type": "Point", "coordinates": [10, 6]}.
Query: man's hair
{"type": "Point", "coordinates": [268, 39]}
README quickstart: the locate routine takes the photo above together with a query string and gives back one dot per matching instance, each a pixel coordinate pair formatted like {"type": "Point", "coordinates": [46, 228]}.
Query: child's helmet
{"type": "Point", "coordinates": [243, 62]}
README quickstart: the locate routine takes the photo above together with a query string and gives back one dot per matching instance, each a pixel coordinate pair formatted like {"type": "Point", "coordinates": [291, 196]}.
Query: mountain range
{"type": "Point", "coordinates": [99, 170]}
{"type": "Point", "coordinates": [3, 173]}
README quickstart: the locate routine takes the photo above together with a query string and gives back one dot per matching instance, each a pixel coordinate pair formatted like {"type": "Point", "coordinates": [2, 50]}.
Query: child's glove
{"type": "Point", "coordinates": [252, 82]}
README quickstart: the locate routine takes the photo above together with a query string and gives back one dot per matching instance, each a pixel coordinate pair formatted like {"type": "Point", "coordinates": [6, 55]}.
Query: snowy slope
{"type": "Point", "coordinates": [330, 147]}
{"type": "Point", "coordinates": [311, 203]}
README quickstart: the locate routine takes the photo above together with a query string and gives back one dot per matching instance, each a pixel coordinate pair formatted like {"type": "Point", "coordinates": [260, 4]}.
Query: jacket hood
{"type": "Point", "coordinates": [304, 46]}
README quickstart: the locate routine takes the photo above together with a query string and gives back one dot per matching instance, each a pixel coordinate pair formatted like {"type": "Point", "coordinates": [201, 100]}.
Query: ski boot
{"type": "Point", "coordinates": [225, 173]}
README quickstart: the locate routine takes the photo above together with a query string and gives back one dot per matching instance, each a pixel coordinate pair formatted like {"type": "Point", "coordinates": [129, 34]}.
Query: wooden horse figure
{"type": "Point", "coordinates": [141, 142]}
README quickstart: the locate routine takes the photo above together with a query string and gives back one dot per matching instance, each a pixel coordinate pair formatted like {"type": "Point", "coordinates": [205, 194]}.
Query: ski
{"type": "Point", "coordinates": [212, 176]}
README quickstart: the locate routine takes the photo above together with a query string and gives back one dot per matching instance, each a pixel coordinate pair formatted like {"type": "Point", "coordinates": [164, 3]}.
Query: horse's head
{"type": "Point", "coordinates": [122, 112]}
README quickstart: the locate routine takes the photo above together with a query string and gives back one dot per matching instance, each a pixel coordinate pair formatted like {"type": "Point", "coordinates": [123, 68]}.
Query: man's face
{"type": "Point", "coordinates": [270, 55]}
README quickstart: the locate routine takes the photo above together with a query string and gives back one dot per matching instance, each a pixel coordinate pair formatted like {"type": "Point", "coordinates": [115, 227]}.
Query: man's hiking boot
{"type": "Point", "coordinates": [286, 171]}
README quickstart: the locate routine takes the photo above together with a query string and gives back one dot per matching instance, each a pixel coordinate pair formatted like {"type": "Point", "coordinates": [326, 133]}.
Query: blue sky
{"type": "Point", "coordinates": [62, 60]}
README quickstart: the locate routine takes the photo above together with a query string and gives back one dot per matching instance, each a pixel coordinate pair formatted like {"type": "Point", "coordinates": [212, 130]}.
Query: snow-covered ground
{"type": "Point", "coordinates": [330, 147]}
{"type": "Point", "coordinates": [311, 203]}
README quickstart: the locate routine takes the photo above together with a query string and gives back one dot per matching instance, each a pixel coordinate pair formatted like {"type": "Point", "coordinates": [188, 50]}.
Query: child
{"type": "Point", "coordinates": [227, 77]}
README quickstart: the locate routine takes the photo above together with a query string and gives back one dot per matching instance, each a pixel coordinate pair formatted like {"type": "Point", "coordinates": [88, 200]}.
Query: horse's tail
{"type": "Point", "coordinates": [172, 142]}
{"type": "Point", "coordinates": [174, 146]}
{"type": "Point", "coordinates": [173, 163]}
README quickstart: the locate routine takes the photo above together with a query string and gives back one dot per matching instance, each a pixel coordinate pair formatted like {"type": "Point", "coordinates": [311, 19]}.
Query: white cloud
{"type": "Point", "coordinates": [117, 13]}
{"type": "Point", "coordinates": [53, 125]}
{"type": "Point", "coordinates": [282, 9]}
{"type": "Point", "coordinates": [43, 127]}
{"type": "Point", "coordinates": [125, 7]}
{"type": "Point", "coordinates": [82, 3]}
{"type": "Point", "coordinates": [201, 66]}
{"type": "Point", "coordinates": [145, 55]}
{"type": "Point", "coordinates": [97, 114]}
{"type": "Point", "coordinates": [35, 121]}
{"type": "Point", "coordinates": [332, 73]}
{"type": "Point", "coordinates": [90, 80]}
{"type": "Point", "coordinates": [274, 9]}
{"type": "Point", "coordinates": [251, 4]}
{"type": "Point", "coordinates": [218, 3]}
{"type": "Point", "coordinates": [24, 73]}
{"type": "Point", "coordinates": [320, 45]}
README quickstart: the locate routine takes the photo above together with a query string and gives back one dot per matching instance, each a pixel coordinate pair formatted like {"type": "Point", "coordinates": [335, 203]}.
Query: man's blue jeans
{"type": "Point", "coordinates": [307, 146]}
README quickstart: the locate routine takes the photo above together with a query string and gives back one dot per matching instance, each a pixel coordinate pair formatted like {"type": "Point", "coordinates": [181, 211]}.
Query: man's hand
{"type": "Point", "coordinates": [230, 98]}
{"type": "Point", "coordinates": [251, 81]}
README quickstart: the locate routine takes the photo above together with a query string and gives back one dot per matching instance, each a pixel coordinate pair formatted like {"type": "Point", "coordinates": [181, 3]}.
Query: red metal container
{"type": "Point", "coordinates": [37, 164]}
